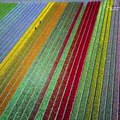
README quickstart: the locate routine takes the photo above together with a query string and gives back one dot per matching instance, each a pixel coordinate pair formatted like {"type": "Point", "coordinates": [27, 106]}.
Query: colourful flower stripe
{"type": "Point", "coordinates": [13, 33]}
{"type": "Point", "coordinates": [69, 57]}
{"type": "Point", "coordinates": [52, 81]}
{"type": "Point", "coordinates": [15, 57]}
{"type": "Point", "coordinates": [94, 41]}
{"type": "Point", "coordinates": [54, 52]}
{"type": "Point", "coordinates": [60, 61]}
{"type": "Point", "coordinates": [55, 64]}
{"type": "Point", "coordinates": [58, 86]}
{"type": "Point", "coordinates": [99, 84]}
{"type": "Point", "coordinates": [96, 84]}
{"type": "Point", "coordinates": [18, 76]}
{"type": "Point", "coordinates": [108, 85]}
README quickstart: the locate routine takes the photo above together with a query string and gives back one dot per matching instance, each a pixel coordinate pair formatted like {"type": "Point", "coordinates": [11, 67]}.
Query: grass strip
{"type": "Point", "coordinates": [6, 8]}
{"type": "Point", "coordinates": [10, 18]}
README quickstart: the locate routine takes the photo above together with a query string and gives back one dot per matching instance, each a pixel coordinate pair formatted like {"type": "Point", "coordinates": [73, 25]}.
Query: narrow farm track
{"type": "Point", "coordinates": [60, 60]}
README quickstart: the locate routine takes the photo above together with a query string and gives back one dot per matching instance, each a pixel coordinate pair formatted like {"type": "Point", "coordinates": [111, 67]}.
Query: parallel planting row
{"type": "Point", "coordinates": [60, 61]}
